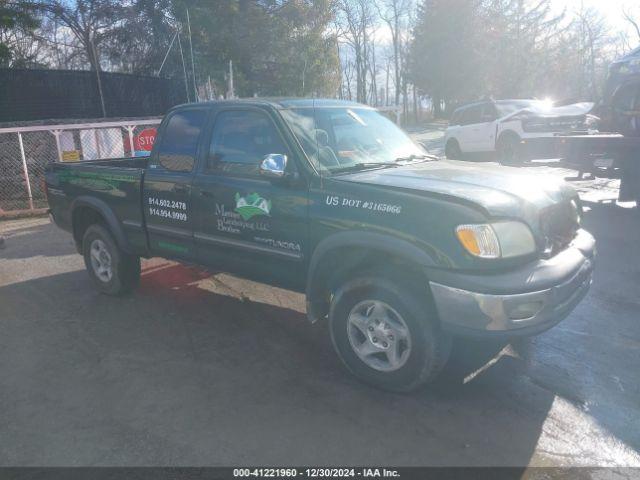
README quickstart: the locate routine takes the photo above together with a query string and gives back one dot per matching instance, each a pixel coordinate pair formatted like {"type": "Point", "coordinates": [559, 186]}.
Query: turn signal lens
{"type": "Point", "coordinates": [479, 240]}
{"type": "Point", "coordinates": [502, 239]}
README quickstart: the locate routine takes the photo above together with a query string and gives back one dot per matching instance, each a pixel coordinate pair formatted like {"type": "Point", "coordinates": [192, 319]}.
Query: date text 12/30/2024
{"type": "Point", "coordinates": [315, 473]}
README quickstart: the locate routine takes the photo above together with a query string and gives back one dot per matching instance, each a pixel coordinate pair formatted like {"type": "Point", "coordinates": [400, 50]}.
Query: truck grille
{"type": "Point", "coordinates": [559, 225]}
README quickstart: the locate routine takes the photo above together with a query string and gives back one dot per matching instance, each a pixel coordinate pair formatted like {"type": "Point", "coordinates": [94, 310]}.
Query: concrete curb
{"type": "Point", "coordinates": [17, 214]}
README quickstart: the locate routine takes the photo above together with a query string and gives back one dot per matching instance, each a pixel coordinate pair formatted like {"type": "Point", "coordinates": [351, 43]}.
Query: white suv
{"type": "Point", "coordinates": [504, 126]}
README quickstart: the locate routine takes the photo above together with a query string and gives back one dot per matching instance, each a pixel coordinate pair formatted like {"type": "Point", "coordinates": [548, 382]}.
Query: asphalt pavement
{"type": "Point", "coordinates": [201, 368]}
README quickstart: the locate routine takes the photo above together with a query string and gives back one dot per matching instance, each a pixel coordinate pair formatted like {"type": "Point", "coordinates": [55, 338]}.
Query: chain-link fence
{"type": "Point", "coordinates": [25, 151]}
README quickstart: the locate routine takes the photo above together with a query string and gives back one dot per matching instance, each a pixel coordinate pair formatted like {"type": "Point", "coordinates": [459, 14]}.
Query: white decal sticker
{"type": "Point", "coordinates": [282, 244]}
{"type": "Point", "coordinates": [336, 201]}
{"type": "Point", "coordinates": [170, 209]}
{"type": "Point", "coordinates": [232, 222]}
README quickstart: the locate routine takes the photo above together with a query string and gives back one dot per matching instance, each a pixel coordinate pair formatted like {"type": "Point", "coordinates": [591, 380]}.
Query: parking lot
{"type": "Point", "coordinates": [201, 368]}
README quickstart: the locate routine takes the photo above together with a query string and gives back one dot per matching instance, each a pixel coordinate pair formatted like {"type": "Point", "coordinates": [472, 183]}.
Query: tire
{"type": "Point", "coordinates": [419, 357]}
{"type": "Point", "coordinates": [625, 103]}
{"type": "Point", "coordinates": [452, 150]}
{"type": "Point", "coordinates": [509, 150]}
{"type": "Point", "coordinates": [113, 271]}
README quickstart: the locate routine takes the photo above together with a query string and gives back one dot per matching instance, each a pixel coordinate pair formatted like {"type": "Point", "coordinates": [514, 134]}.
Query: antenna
{"type": "Point", "coordinates": [167, 54]}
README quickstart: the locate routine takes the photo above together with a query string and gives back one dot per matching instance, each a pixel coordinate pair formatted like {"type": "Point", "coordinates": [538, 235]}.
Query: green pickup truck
{"type": "Point", "coordinates": [397, 250]}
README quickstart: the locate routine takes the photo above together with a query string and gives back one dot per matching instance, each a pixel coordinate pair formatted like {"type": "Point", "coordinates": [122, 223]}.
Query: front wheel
{"type": "Point", "coordinates": [113, 271]}
{"type": "Point", "coordinates": [452, 150]}
{"type": "Point", "coordinates": [387, 335]}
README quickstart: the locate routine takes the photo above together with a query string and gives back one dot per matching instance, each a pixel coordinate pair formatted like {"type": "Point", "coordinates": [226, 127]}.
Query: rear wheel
{"type": "Point", "coordinates": [113, 271]}
{"type": "Point", "coordinates": [452, 150]}
{"type": "Point", "coordinates": [387, 335]}
{"type": "Point", "coordinates": [509, 150]}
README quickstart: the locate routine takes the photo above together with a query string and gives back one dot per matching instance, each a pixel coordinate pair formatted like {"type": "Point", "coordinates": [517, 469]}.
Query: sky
{"type": "Point", "coordinates": [611, 9]}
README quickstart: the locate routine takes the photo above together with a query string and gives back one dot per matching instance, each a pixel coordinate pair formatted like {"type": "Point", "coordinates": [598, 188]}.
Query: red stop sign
{"type": "Point", "coordinates": [143, 142]}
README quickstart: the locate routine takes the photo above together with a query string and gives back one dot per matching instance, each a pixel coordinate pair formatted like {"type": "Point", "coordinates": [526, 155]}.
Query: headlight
{"type": "Point", "coordinates": [497, 240]}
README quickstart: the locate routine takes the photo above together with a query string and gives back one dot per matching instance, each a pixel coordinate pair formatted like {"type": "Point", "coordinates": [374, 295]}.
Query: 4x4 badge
{"type": "Point", "coordinates": [252, 205]}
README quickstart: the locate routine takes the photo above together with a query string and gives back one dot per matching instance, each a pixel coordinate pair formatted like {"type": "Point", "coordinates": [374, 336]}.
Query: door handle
{"type": "Point", "coordinates": [179, 189]}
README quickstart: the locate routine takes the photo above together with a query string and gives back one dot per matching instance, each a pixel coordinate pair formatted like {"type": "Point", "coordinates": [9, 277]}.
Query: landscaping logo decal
{"type": "Point", "coordinates": [252, 205]}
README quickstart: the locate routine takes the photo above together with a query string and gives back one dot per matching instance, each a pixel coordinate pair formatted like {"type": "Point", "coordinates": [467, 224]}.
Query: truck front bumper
{"type": "Point", "coordinates": [524, 302]}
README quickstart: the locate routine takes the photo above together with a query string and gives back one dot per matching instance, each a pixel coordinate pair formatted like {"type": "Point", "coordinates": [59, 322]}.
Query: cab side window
{"type": "Point", "coordinates": [179, 143]}
{"type": "Point", "coordinates": [472, 115]}
{"type": "Point", "coordinates": [455, 118]}
{"type": "Point", "coordinates": [489, 112]}
{"type": "Point", "coordinates": [240, 141]}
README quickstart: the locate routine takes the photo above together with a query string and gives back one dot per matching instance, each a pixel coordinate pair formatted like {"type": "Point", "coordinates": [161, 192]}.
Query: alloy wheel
{"type": "Point", "coordinates": [378, 335]}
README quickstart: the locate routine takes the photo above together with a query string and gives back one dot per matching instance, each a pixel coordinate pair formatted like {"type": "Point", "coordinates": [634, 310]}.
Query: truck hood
{"type": "Point", "coordinates": [500, 191]}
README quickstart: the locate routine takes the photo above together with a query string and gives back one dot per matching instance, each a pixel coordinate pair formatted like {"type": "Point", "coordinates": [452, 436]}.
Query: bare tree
{"type": "Point", "coordinates": [373, 71]}
{"type": "Point", "coordinates": [394, 14]}
{"type": "Point", "coordinates": [628, 16]}
{"type": "Point", "coordinates": [90, 21]}
{"type": "Point", "coordinates": [355, 22]}
{"type": "Point", "coordinates": [347, 79]}
{"type": "Point", "coordinates": [592, 37]}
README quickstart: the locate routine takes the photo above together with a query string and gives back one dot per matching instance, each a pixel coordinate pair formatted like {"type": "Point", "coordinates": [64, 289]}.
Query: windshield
{"type": "Point", "coordinates": [338, 138]}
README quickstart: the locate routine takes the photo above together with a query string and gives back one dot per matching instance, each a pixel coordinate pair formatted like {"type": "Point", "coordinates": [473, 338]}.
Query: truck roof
{"type": "Point", "coordinates": [284, 102]}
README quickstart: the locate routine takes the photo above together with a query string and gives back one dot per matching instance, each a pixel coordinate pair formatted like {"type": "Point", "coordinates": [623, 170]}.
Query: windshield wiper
{"type": "Point", "coordinates": [363, 166]}
{"type": "Point", "coordinates": [411, 158]}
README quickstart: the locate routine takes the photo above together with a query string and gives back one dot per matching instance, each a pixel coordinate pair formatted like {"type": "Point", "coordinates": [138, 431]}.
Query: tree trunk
{"type": "Point", "coordinates": [415, 105]}
{"type": "Point", "coordinates": [436, 104]}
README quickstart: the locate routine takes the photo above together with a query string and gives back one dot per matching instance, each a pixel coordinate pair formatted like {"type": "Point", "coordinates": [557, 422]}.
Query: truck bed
{"type": "Point", "coordinates": [580, 150]}
{"type": "Point", "coordinates": [116, 183]}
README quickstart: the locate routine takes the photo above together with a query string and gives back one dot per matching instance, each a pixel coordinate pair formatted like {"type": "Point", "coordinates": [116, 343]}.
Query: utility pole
{"type": "Point", "coordinates": [184, 69]}
{"type": "Point", "coordinates": [193, 64]}
{"type": "Point", "coordinates": [230, 92]}
{"type": "Point", "coordinates": [97, 66]}
{"type": "Point", "coordinates": [304, 71]}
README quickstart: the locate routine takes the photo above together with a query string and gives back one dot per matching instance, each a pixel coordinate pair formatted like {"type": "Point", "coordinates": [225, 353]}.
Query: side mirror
{"type": "Point", "coordinates": [273, 165]}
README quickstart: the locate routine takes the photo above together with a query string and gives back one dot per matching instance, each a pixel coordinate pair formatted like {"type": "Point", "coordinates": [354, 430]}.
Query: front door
{"type": "Point", "coordinates": [467, 134]}
{"type": "Point", "coordinates": [167, 198]}
{"type": "Point", "coordinates": [486, 140]}
{"type": "Point", "coordinates": [247, 223]}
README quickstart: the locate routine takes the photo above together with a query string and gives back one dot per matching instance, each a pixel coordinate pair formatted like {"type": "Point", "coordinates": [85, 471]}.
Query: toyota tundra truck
{"type": "Point", "coordinates": [397, 250]}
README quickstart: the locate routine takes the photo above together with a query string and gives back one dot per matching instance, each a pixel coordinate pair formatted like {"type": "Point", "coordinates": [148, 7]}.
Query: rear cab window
{"type": "Point", "coordinates": [177, 149]}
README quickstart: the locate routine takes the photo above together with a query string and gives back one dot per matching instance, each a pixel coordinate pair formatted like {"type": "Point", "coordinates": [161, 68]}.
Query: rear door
{"type": "Point", "coordinates": [167, 199]}
{"type": "Point", "coordinates": [245, 222]}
